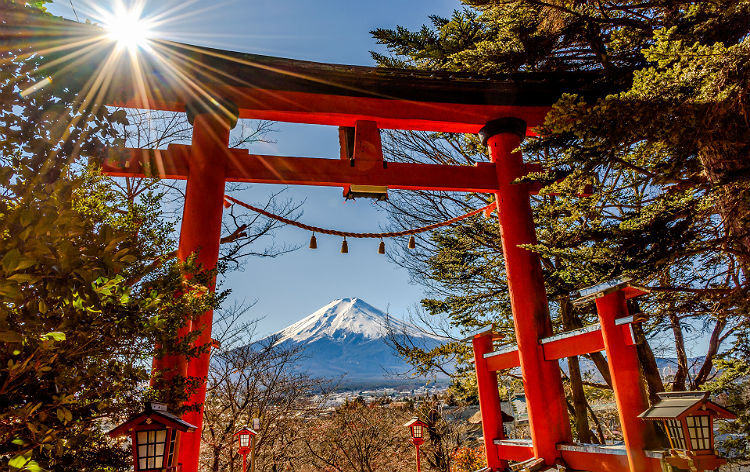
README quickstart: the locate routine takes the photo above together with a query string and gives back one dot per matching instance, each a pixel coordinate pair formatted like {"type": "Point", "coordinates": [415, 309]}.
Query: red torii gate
{"type": "Point", "coordinates": [251, 86]}
{"type": "Point", "coordinates": [614, 335]}
{"type": "Point", "coordinates": [217, 87]}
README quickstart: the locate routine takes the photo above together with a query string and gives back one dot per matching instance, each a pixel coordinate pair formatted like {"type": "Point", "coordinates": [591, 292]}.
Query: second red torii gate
{"type": "Point", "coordinates": [218, 87]}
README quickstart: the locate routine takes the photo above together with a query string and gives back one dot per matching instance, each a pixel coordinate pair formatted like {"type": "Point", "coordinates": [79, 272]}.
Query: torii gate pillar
{"type": "Point", "coordinates": [490, 405]}
{"type": "Point", "coordinates": [545, 397]}
{"type": "Point", "coordinates": [200, 234]}
{"type": "Point", "coordinates": [624, 369]}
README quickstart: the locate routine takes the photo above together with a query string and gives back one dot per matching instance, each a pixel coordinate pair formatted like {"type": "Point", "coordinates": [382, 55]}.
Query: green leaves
{"type": "Point", "coordinates": [78, 290]}
{"type": "Point", "coordinates": [108, 286]}
{"type": "Point", "coordinates": [24, 463]}
{"type": "Point", "coordinates": [14, 261]}
{"type": "Point", "coordinates": [54, 336]}
{"type": "Point", "coordinates": [64, 415]}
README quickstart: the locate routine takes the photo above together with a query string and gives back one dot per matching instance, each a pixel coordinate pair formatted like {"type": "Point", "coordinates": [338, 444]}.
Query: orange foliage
{"type": "Point", "coordinates": [467, 459]}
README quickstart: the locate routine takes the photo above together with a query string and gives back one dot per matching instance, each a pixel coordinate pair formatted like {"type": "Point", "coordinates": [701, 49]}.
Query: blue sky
{"type": "Point", "coordinates": [291, 286]}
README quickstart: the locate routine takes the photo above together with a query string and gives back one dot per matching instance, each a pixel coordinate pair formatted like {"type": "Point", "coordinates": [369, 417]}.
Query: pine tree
{"type": "Point", "coordinates": [667, 150]}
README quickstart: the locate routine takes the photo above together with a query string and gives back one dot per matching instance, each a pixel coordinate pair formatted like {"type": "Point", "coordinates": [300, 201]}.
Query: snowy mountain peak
{"type": "Point", "coordinates": [347, 338]}
{"type": "Point", "coordinates": [341, 319]}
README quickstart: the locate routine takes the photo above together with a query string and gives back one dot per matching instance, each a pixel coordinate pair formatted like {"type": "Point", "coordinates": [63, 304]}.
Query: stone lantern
{"type": "Point", "coordinates": [687, 419]}
{"type": "Point", "coordinates": [155, 435]}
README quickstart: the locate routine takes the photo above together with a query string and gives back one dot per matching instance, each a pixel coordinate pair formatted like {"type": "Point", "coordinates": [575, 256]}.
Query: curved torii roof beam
{"type": "Point", "coordinates": [169, 76]}
{"type": "Point", "coordinates": [290, 90]}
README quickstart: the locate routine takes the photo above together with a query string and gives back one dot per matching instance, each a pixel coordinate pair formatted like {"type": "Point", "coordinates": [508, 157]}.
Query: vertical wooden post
{"type": "Point", "coordinates": [545, 397]}
{"type": "Point", "coordinates": [626, 382]}
{"type": "Point", "coordinates": [489, 401]}
{"type": "Point", "coordinates": [419, 465]}
{"type": "Point", "coordinates": [201, 234]}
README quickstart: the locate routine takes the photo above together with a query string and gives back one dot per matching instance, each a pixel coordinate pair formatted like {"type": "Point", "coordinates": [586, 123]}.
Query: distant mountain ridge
{"type": "Point", "coordinates": [347, 339]}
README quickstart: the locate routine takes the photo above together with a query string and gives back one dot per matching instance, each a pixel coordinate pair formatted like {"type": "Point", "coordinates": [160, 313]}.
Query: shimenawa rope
{"type": "Point", "coordinates": [316, 229]}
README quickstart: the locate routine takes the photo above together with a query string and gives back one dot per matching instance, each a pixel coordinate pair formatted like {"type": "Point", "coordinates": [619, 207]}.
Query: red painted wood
{"type": "Point", "coordinates": [338, 110]}
{"type": "Point", "coordinates": [243, 167]}
{"type": "Point", "coordinates": [201, 233]}
{"type": "Point", "coordinates": [489, 402]}
{"type": "Point", "coordinates": [513, 452]}
{"type": "Point", "coordinates": [578, 345]}
{"type": "Point", "coordinates": [574, 346]}
{"type": "Point", "coordinates": [169, 367]}
{"type": "Point", "coordinates": [134, 448]}
{"type": "Point", "coordinates": [625, 372]}
{"type": "Point", "coordinates": [210, 164]}
{"type": "Point", "coordinates": [507, 360]}
{"type": "Point", "coordinates": [548, 415]}
{"type": "Point", "coordinates": [633, 292]}
{"type": "Point", "coordinates": [584, 343]}
{"type": "Point", "coordinates": [578, 460]}
{"type": "Point", "coordinates": [367, 143]}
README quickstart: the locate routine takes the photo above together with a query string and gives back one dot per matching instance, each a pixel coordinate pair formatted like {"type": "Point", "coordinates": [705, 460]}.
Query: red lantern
{"type": "Point", "coordinates": [155, 435]}
{"type": "Point", "coordinates": [417, 429]}
{"type": "Point", "coordinates": [245, 440]}
{"type": "Point", "coordinates": [244, 437]}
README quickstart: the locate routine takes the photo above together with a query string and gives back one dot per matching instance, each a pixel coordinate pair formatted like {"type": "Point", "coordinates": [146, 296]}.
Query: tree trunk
{"type": "Point", "coordinates": [713, 348]}
{"type": "Point", "coordinates": [215, 459]}
{"type": "Point", "coordinates": [579, 400]}
{"type": "Point", "coordinates": [602, 366]}
{"type": "Point", "coordinates": [650, 368]}
{"type": "Point", "coordinates": [576, 380]}
{"type": "Point", "coordinates": [678, 383]}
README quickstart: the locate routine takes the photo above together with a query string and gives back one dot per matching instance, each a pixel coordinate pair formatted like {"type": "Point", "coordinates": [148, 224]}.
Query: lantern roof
{"type": "Point", "coordinates": [415, 421]}
{"type": "Point", "coordinates": [246, 429]}
{"type": "Point", "coordinates": [677, 405]}
{"type": "Point", "coordinates": [157, 413]}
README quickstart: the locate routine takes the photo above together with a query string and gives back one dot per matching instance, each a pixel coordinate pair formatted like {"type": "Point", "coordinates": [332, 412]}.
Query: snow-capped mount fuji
{"type": "Point", "coordinates": [347, 338]}
{"type": "Point", "coordinates": [344, 319]}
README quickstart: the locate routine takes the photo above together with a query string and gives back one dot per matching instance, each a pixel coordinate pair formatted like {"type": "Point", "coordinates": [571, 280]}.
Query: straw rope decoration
{"type": "Point", "coordinates": [347, 234]}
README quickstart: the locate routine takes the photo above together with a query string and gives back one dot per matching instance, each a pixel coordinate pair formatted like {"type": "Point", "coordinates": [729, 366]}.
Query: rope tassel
{"type": "Point", "coordinates": [313, 242]}
{"type": "Point", "coordinates": [344, 247]}
{"type": "Point", "coordinates": [412, 242]}
{"type": "Point", "coordinates": [381, 247]}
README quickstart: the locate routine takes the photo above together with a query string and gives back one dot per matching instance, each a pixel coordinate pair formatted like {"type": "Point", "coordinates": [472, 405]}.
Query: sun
{"type": "Point", "coordinates": [127, 28]}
